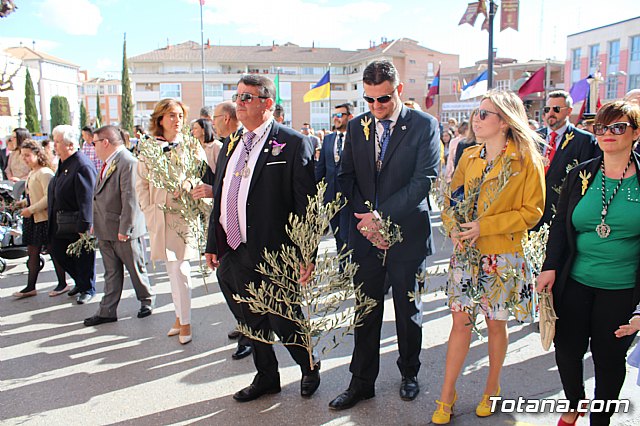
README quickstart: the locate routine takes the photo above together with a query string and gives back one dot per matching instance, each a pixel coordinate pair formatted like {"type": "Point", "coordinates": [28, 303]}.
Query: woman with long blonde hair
{"type": "Point", "coordinates": [495, 280]}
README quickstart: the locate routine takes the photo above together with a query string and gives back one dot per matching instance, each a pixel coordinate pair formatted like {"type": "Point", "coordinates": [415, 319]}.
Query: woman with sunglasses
{"type": "Point", "coordinates": [592, 264]}
{"type": "Point", "coordinates": [502, 218]}
{"type": "Point", "coordinates": [168, 233]}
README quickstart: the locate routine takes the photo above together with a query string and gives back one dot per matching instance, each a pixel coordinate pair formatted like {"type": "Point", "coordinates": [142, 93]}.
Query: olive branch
{"type": "Point", "coordinates": [388, 231]}
{"type": "Point", "coordinates": [87, 242]}
{"type": "Point", "coordinates": [321, 308]}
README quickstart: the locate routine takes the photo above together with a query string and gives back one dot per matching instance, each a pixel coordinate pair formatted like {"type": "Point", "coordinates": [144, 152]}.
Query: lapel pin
{"type": "Point", "coordinates": [404, 127]}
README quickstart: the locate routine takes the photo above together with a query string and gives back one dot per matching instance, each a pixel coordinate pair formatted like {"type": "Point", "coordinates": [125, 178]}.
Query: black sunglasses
{"type": "Point", "coordinates": [618, 128]}
{"type": "Point", "coordinates": [381, 99]}
{"type": "Point", "coordinates": [246, 97]}
{"type": "Point", "coordinates": [482, 114]}
{"type": "Point", "coordinates": [340, 114]}
{"type": "Point", "coordinates": [555, 109]}
{"type": "Point", "coordinates": [93, 143]}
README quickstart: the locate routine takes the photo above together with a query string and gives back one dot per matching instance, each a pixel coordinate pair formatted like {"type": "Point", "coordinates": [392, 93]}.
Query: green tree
{"type": "Point", "coordinates": [83, 115]}
{"type": "Point", "coordinates": [126, 111]}
{"type": "Point", "coordinates": [31, 112]}
{"type": "Point", "coordinates": [98, 113]}
{"type": "Point", "coordinates": [59, 108]}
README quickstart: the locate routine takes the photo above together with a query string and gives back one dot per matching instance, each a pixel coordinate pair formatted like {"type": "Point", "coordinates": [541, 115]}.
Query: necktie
{"type": "Point", "coordinates": [551, 150]}
{"type": "Point", "coordinates": [104, 166]}
{"type": "Point", "coordinates": [233, 222]}
{"type": "Point", "coordinates": [386, 135]}
{"type": "Point", "coordinates": [339, 147]}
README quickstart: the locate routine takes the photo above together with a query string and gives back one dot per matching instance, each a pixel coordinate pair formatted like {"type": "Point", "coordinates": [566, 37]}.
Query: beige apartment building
{"type": "Point", "coordinates": [508, 74]}
{"type": "Point", "coordinates": [175, 72]}
{"type": "Point", "coordinates": [110, 95]}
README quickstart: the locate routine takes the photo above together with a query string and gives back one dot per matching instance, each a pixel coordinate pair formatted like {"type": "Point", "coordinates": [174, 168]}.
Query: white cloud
{"type": "Point", "coordinates": [301, 22]}
{"type": "Point", "coordinates": [75, 17]}
{"type": "Point", "coordinates": [104, 64]}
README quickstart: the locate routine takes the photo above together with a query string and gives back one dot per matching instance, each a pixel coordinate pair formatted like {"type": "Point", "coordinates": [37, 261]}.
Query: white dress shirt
{"type": "Point", "coordinates": [560, 132]}
{"type": "Point", "coordinates": [262, 133]}
{"type": "Point", "coordinates": [109, 160]}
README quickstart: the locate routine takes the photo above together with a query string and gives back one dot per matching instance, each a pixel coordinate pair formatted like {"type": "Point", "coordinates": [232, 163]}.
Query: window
{"type": "Point", "coordinates": [170, 90]}
{"type": "Point", "coordinates": [594, 56]}
{"type": "Point", "coordinates": [227, 86]}
{"type": "Point", "coordinates": [355, 86]}
{"type": "Point", "coordinates": [213, 90]}
{"type": "Point", "coordinates": [412, 61]}
{"type": "Point", "coordinates": [113, 107]}
{"type": "Point", "coordinates": [614, 52]}
{"type": "Point", "coordinates": [612, 87]}
{"type": "Point", "coordinates": [503, 84]}
{"type": "Point", "coordinates": [634, 81]}
{"type": "Point", "coordinates": [635, 48]}
{"type": "Point", "coordinates": [575, 58]}
{"type": "Point", "coordinates": [430, 69]}
{"type": "Point", "coordinates": [412, 80]}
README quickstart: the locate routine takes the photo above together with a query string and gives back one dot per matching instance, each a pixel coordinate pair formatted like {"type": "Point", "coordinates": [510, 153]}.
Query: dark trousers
{"type": "Point", "coordinates": [236, 271]}
{"type": "Point", "coordinates": [340, 228]}
{"type": "Point", "coordinates": [401, 276]}
{"type": "Point", "coordinates": [228, 289]}
{"type": "Point", "coordinates": [81, 269]}
{"type": "Point", "coordinates": [590, 316]}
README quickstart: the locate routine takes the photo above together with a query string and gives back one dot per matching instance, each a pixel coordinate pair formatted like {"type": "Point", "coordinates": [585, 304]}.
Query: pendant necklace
{"type": "Point", "coordinates": [245, 172]}
{"type": "Point", "coordinates": [603, 230]}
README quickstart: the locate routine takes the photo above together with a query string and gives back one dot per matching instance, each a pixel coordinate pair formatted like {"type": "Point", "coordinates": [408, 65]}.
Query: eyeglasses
{"type": "Point", "coordinates": [93, 143]}
{"type": "Point", "coordinates": [340, 114]}
{"type": "Point", "coordinates": [618, 128]}
{"type": "Point", "coordinates": [482, 114]}
{"type": "Point", "coordinates": [555, 109]}
{"type": "Point", "coordinates": [219, 115]}
{"type": "Point", "coordinates": [381, 99]}
{"type": "Point", "coordinates": [246, 97]}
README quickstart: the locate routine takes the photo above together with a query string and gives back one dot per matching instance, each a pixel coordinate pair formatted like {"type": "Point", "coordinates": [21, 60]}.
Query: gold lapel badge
{"type": "Point", "coordinates": [365, 122]}
{"type": "Point", "coordinates": [584, 177]}
{"type": "Point", "coordinates": [567, 139]}
{"type": "Point", "coordinates": [233, 139]}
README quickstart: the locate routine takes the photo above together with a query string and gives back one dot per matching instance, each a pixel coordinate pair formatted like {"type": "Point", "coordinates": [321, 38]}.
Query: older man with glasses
{"type": "Point", "coordinates": [566, 147]}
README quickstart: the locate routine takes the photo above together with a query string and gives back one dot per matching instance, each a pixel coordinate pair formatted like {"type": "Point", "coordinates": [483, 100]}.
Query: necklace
{"type": "Point", "coordinates": [603, 230]}
{"type": "Point", "coordinates": [245, 172]}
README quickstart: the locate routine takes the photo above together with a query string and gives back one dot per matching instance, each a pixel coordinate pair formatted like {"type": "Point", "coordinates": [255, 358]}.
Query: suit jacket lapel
{"type": "Point", "coordinates": [225, 152]}
{"type": "Point", "coordinates": [114, 163]}
{"type": "Point", "coordinates": [399, 131]}
{"type": "Point", "coordinates": [264, 154]}
{"type": "Point", "coordinates": [370, 145]}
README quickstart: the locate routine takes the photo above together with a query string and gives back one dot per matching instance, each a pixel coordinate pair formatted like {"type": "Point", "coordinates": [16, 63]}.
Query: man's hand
{"type": "Point", "coordinates": [368, 227]}
{"type": "Point", "coordinates": [212, 260]}
{"type": "Point", "coordinates": [305, 273]}
{"type": "Point", "coordinates": [123, 238]}
{"type": "Point", "coordinates": [202, 191]}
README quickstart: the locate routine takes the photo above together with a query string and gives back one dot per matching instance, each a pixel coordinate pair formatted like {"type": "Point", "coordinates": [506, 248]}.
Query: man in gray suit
{"type": "Point", "coordinates": [118, 223]}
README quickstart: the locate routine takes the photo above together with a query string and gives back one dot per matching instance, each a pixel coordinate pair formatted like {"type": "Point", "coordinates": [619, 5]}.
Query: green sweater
{"type": "Point", "coordinates": [608, 263]}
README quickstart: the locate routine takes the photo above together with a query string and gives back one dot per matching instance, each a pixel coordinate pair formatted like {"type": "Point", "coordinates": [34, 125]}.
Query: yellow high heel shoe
{"type": "Point", "coordinates": [441, 417]}
{"type": "Point", "coordinates": [484, 407]}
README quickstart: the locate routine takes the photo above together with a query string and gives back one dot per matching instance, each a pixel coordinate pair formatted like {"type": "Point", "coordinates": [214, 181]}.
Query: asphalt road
{"type": "Point", "coordinates": [55, 371]}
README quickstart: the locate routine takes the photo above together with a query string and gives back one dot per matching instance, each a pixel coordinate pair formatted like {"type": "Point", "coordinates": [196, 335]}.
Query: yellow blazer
{"type": "Point", "coordinates": [517, 208]}
{"type": "Point", "coordinates": [37, 184]}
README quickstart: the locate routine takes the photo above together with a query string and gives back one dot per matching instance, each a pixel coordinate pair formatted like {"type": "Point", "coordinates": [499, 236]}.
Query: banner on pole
{"type": "Point", "coordinates": [471, 14]}
{"type": "Point", "coordinates": [509, 14]}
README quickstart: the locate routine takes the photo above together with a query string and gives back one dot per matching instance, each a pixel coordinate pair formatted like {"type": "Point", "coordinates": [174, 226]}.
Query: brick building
{"type": "Point", "coordinates": [110, 92]}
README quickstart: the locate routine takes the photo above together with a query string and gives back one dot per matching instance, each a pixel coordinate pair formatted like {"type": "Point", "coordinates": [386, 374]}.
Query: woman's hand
{"type": "Point", "coordinates": [471, 233]}
{"type": "Point", "coordinates": [629, 329]}
{"type": "Point", "coordinates": [26, 213]}
{"type": "Point", "coordinates": [545, 281]}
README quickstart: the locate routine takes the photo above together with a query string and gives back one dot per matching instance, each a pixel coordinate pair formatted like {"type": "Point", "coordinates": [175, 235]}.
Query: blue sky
{"type": "Point", "coordinates": [89, 32]}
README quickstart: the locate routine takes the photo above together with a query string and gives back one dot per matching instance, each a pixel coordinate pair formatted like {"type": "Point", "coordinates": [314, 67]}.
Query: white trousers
{"type": "Point", "coordinates": [179, 272]}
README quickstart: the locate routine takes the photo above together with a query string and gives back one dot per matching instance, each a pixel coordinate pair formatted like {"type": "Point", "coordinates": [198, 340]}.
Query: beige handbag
{"type": "Point", "coordinates": [547, 319]}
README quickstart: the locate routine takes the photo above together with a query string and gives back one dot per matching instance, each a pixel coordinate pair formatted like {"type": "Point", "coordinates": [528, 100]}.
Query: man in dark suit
{"type": "Point", "coordinates": [118, 223]}
{"type": "Point", "coordinates": [71, 190]}
{"type": "Point", "coordinates": [566, 147]}
{"type": "Point", "coordinates": [327, 167]}
{"type": "Point", "coordinates": [391, 155]}
{"type": "Point", "coordinates": [264, 174]}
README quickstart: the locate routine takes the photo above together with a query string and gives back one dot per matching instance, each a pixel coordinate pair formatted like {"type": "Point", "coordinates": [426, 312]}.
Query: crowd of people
{"type": "Point", "coordinates": [513, 177]}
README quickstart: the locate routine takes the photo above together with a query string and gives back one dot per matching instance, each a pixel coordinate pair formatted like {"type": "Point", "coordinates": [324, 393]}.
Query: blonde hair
{"type": "Point", "coordinates": [512, 112]}
{"type": "Point", "coordinates": [161, 108]}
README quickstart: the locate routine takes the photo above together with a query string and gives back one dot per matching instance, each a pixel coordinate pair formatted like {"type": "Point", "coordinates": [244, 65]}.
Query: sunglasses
{"type": "Point", "coordinates": [555, 109]}
{"type": "Point", "coordinates": [381, 99]}
{"type": "Point", "coordinates": [93, 143]}
{"type": "Point", "coordinates": [616, 128]}
{"type": "Point", "coordinates": [246, 97]}
{"type": "Point", "coordinates": [482, 114]}
{"type": "Point", "coordinates": [340, 114]}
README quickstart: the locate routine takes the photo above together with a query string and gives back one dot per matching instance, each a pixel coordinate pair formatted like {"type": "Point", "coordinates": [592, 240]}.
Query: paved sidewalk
{"type": "Point", "coordinates": [55, 371]}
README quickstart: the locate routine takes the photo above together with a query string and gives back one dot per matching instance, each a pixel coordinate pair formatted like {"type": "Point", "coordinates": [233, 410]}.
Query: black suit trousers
{"type": "Point", "coordinates": [375, 279]}
{"type": "Point", "coordinates": [82, 269]}
{"type": "Point", "coordinates": [236, 271]}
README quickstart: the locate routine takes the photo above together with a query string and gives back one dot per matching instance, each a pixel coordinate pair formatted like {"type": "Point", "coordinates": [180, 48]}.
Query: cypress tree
{"type": "Point", "coordinates": [83, 115]}
{"type": "Point", "coordinates": [98, 113]}
{"type": "Point", "coordinates": [126, 112]}
{"type": "Point", "coordinates": [59, 108]}
{"type": "Point", "coordinates": [31, 112]}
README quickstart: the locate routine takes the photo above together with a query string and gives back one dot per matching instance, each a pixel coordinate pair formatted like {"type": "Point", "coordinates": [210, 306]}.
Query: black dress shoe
{"type": "Point", "coordinates": [409, 388]}
{"type": "Point", "coordinates": [145, 311]}
{"type": "Point", "coordinates": [349, 398]}
{"type": "Point", "coordinates": [75, 290]}
{"type": "Point", "coordinates": [243, 351]}
{"type": "Point", "coordinates": [84, 298]}
{"type": "Point", "coordinates": [97, 320]}
{"type": "Point", "coordinates": [310, 382]}
{"type": "Point", "coordinates": [252, 392]}
{"type": "Point", "coordinates": [233, 334]}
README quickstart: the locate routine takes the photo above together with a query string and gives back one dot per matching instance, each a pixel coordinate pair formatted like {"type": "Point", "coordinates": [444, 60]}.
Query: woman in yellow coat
{"type": "Point", "coordinates": [169, 234]}
{"type": "Point", "coordinates": [501, 183]}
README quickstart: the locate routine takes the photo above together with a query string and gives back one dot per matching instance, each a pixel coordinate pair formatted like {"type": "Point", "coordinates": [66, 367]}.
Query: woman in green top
{"type": "Point", "coordinates": [592, 260]}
